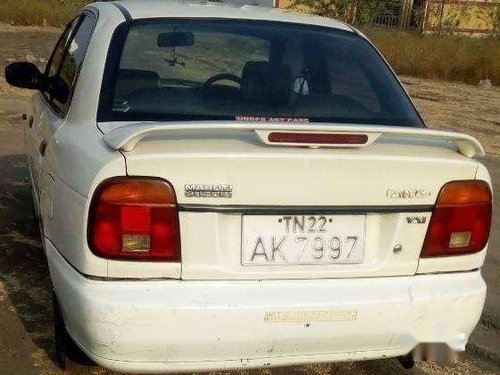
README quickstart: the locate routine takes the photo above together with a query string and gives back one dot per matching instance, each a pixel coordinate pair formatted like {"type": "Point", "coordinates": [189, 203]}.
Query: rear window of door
{"type": "Point", "coordinates": [58, 53]}
{"type": "Point", "coordinates": [68, 58]}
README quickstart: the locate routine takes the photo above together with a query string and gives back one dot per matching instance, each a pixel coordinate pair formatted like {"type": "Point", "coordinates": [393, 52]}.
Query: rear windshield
{"type": "Point", "coordinates": [188, 70]}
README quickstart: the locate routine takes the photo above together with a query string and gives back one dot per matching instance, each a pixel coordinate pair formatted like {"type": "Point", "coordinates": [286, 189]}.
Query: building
{"type": "Point", "coordinates": [471, 17]}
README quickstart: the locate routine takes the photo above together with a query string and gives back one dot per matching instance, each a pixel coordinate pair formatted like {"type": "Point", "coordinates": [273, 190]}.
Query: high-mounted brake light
{"type": "Point", "coordinates": [461, 220]}
{"type": "Point", "coordinates": [318, 138]}
{"type": "Point", "coordinates": [135, 219]}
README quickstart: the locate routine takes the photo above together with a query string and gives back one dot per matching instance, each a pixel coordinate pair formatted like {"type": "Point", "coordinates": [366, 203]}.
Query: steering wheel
{"type": "Point", "coordinates": [218, 77]}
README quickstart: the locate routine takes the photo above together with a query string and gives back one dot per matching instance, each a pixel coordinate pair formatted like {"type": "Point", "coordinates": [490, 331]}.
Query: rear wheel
{"type": "Point", "coordinates": [390, 366]}
{"type": "Point", "coordinates": [68, 355]}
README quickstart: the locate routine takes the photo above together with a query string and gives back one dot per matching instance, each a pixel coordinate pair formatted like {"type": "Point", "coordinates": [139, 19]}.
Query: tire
{"type": "Point", "coordinates": [68, 356]}
{"type": "Point", "coordinates": [390, 366]}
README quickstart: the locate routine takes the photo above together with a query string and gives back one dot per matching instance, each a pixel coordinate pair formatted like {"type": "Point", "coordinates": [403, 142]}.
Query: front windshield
{"type": "Point", "coordinates": [194, 69]}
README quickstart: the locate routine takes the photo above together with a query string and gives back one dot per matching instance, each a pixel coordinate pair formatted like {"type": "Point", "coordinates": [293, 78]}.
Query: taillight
{"type": "Point", "coordinates": [461, 220]}
{"type": "Point", "coordinates": [135, 219]}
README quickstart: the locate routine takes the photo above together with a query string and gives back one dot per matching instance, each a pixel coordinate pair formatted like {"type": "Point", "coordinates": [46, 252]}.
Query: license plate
{"type": "Point", "coordinates": [303, 239]}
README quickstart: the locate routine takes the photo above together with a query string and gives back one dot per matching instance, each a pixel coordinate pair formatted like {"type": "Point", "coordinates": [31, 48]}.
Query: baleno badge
{"type": "Point", "coordinates": [208, 190]}
{"type": "Point", "coordinates": [407, 194]}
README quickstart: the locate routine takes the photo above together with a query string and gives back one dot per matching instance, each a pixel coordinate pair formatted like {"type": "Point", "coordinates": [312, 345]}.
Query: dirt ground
{"type": "Point", "coordinates": [25, 305]}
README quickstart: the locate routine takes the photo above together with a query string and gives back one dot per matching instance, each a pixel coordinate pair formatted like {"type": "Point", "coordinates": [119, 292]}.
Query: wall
{"type": "Point", "coordinates": [475, 17]}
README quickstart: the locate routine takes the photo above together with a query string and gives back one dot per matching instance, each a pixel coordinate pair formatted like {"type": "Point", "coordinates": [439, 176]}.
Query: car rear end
{"type": "Point", "coordinates": [271, 285]}
{"type": "Point", "coordinates": [271, 225]}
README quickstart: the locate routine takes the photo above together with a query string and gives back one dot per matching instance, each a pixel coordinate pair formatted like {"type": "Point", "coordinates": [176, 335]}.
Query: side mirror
{"type": "Point", "coordinates": [25, 75]}
{"type": "Point", "coordinates": [28, 76]}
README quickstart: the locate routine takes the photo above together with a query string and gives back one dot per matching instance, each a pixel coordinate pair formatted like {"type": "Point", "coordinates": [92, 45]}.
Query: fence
{"type": "Point", "coordinates": [387, 20]}
{"type": "Point", "coordinates": [407, 14]}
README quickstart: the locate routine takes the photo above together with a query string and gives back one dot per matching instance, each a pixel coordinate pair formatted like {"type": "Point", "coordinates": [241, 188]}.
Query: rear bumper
{"type": "Point", "coordinates": [181, 326]}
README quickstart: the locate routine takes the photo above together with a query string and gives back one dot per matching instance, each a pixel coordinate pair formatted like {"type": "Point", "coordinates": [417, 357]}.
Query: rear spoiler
{"type": "Point", "coordinates": [126, 137]}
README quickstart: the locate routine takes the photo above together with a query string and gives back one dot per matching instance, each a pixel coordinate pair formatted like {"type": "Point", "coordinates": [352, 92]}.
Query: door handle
{"type": "Point", "coordinates": [43, 147]}
{"type": "Point", "coordinates": [30, 122]}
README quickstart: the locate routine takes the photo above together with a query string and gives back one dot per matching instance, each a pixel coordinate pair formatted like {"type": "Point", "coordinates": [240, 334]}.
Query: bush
{"type": "Point", "coordinates": [37, 12]}
{"type": "Point", "coordinates": [447, 57]}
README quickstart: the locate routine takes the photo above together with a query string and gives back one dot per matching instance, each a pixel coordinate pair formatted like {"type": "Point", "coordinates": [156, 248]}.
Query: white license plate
{"type": "Point", "coordinates": [303, 239]}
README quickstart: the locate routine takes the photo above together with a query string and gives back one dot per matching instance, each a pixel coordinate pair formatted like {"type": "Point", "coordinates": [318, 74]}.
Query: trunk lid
{"type": "Point", "coordinates": [233, 188]}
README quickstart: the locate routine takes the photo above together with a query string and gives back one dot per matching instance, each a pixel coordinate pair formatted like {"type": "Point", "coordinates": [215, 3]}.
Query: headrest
{"type": "Point", "coordinates": [130, 80]}
{"type": "Point", "coordinates": [264, 83]}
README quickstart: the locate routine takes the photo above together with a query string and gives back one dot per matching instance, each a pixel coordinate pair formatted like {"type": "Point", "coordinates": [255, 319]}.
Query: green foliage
{"type": "Point", "coordinates": [455, 16]}
{"type": "Point", "coordinates": [38, 12]}
{"type": "Point", "coordinates": [360, 12]}
{"type": "Point", "coordinates": [327, 8]}
{"type": "Point", "coordinates": [493, 16]}
{"type": "Point", "coordinates": [447, 57]}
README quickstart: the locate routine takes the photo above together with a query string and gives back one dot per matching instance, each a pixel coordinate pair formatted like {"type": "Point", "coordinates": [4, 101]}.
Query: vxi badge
{"type": "Point", "coordinates": [208, 190]}
{"type": "Point", "coordinates": [416, 219]}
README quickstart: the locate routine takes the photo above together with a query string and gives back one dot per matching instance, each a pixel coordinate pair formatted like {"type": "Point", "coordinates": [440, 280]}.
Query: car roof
{"type": "Point", "coordinates": [147, 9]}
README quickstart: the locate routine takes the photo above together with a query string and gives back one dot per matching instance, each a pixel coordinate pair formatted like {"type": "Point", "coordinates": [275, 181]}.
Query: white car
{"type": "Point", "coordinates": [225, 187]}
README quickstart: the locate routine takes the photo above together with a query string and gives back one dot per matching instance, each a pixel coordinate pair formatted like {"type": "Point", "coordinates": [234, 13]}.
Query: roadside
{"type": "Point", "coordinates": [25, 305]}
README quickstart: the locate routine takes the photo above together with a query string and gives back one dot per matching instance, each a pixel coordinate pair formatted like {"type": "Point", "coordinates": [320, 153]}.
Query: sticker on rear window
{"type": "Point", "coordinates": [272, 119]}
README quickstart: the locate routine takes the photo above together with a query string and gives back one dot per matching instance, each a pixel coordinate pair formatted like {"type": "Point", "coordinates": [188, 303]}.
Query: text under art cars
{"type": "Point", "coordinates": [225, 186]}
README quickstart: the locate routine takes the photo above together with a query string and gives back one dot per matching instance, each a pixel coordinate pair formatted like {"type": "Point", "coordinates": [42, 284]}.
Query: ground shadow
{"type": "Point", "coordinates": [23, 266]}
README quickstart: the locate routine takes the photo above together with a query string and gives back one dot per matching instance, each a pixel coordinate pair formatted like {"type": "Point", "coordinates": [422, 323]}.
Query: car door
{"type": "Point", "coordinates": [51, 107]}
{"type": "Point", "coordinates": [39, 110]}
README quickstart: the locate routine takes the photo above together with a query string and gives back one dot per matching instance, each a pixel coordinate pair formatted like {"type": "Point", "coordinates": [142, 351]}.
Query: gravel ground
{"type": "Point", "coordinates": [25, 307]}
{"type": "Point", "coordinates": [459, 107]}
